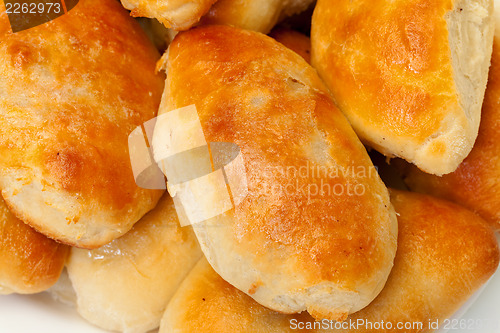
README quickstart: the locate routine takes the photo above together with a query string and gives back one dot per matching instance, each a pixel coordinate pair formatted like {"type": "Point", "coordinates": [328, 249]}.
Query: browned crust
{"type": "Point", "coordinates": [75, 89]}
{"type": "Point", "coordinates": [476, 182]}
{"type": "Point", "coordinates": [445, 253]}
{"type": "Point", "coordinates": [29, 261]}
{"type": "Point", "coordinates": [267, 100]}
{"type": "Point", "coordinates": [389, 67]}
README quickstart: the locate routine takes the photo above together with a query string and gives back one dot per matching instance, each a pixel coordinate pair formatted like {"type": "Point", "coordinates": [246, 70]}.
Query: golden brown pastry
{"type": "Point", "coordinates": [29, 261]}
{"type": "Point", "coordinates": [125, 285]}
{"type": "Point", "coordinates": [175, 14]}
{"type": "Point", "coordinates": [257, 15]}
{"type": "Point", "coordinates": [72, 91]}
{"type": "Point", "coordinates": [445, 254]}
{"type": "Point", "coordinates": [295, 41]}
{"type": "Point", "coordinates": [410, 75]}
{"type": "Point", "coordinates": [476, 182]}
{"type": "Point", "coordinates": [204, 302]}
{"type": "Point", "coordinates": [316, 230]}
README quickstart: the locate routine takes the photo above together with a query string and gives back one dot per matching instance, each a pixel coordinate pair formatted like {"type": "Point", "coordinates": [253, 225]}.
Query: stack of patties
{"type": "Point", "coordinates": [275, 219]}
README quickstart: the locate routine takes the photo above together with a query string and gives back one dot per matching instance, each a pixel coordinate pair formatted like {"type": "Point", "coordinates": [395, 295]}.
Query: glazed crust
{"type": "Point", "coordinates": [29, 261]}
{"type": "Point", "coordinates": [125, 285]}
{"type": "Point", "coordinates": [205, 302]}
{"type": "Point", "coordinates": [291, 249]}
{"type": "Point", "coordinates": [72, 91]}
{"type": "Point", "coordinates": [175, 14]}
{"type": "Point", "coordinates": [476, 182]}
{"type": "Point", "coordinates": [445, 253]}
{"type": "Point", "coordinates": [397, 68]}
{"type": "Point", "coordinates": [295, 41]}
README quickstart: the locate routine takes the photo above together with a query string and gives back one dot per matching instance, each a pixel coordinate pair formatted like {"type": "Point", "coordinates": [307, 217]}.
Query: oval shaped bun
{"type": "Point", "coordinates": [445, 254]}
{"type": "Point", "coordinates": [29, 262]}
{"type": "Point", "coordinates": [410, 75]}
{"type": "Point", "coordinates": [125, 285]}
{"type": "Point", "coordinates": [205, 302]}
{"type": "Point", "coordinates": [476, 182]}
{"type": "Point", "coordinates": [298, 241]}
{"type": "Point", "coordinates": [73, 89]}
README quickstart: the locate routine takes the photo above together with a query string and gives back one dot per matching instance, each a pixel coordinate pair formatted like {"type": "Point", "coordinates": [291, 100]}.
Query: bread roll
{"type": "Point", "coordinates": [257, 15]}
{"type": "Point", "coordinates": [205, 302]}
{"type": "Point", "coordinates": [126, 284]}
{"type": "Point", "coordinates": [73, 90]}
{"type": "Point", "coordinates": [410, 75]}
{"type": "Point", "coordinates": [29, 261]}
{"type": "Point", "coordinates": [445, 254]}
{"type": "Point", "coordinates": [288, 244]}
{"type": "Point", "coordinates": [175, 14]}
{"type": "Point", "coordinates": [295, 41]}
{"type": "Point", "coordinates": [476, 182]}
